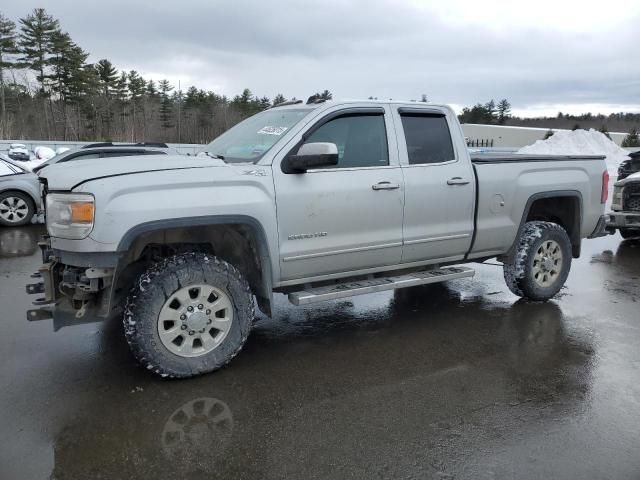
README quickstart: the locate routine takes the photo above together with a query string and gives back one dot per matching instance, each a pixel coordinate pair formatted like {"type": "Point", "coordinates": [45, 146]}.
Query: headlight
{"type": "Point", "coordinates": [70, 215]}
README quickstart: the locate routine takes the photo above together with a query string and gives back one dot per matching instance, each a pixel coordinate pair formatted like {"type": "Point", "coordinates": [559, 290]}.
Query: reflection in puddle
{"type": "Point", "coordinates": [200, 427]}
{"type": "Point", "coordinates": [19, 241]}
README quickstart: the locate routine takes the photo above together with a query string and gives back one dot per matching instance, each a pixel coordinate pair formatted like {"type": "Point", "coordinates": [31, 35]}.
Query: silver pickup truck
{"type": "Point", "coordinates": [316, 201]}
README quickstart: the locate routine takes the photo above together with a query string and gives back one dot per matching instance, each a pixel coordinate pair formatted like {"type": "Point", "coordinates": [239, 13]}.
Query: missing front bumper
{"type": "Point", "coordinates": [69, 295]}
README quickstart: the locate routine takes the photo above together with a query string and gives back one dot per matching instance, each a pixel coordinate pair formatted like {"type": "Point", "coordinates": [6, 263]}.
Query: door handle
{"type": "Point", "coordinates": [457, 181]}
{"type": "Point", "coordinates": [385, 186]}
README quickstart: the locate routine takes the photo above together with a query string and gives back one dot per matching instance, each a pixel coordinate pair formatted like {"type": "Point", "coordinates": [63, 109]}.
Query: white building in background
{"type": "Point", "coordinates": [513, 137]}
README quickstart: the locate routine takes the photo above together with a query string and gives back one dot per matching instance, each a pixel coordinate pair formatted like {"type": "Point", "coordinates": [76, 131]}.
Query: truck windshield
{"type": "Point", "coordinates": [249, 140]}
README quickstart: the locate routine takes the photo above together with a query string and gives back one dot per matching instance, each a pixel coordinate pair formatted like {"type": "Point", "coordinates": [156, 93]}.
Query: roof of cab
{"type": "Point", "coordinates": [299, 104]}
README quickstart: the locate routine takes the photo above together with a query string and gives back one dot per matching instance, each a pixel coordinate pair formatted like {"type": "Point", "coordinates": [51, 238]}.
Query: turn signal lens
{"type": "Point", "coordinates": [82, 212]}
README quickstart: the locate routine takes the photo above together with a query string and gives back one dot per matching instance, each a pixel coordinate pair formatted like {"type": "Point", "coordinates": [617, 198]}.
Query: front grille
{"type": "Point", "coordinates": [631, 197]}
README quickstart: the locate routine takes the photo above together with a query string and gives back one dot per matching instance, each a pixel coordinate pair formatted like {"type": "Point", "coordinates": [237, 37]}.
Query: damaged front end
{"type": "Point", "coordinates": [71, 294]}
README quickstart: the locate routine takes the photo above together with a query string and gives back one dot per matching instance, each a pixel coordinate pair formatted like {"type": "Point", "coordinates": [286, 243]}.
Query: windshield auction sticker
{"type": "Point", "coordinates": [272, 130]}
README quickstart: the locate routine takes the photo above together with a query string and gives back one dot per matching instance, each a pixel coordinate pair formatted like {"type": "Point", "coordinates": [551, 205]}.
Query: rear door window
{"type": "Point", "coordinates": [428, 138]}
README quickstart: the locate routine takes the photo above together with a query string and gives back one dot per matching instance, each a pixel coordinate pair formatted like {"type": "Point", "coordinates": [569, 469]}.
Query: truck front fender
{"type": "Point", "coordinates": [134, 240]}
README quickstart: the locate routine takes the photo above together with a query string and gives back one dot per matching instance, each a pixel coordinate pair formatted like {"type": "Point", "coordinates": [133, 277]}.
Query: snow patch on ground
{"type": "Point", "coordinates": [580, 142]}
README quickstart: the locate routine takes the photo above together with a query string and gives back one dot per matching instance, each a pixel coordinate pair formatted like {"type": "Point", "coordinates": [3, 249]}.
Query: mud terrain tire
{"type": "Point", "coordinates": [541, 263]}
{"type": "Point", "coordinates": [163, 281]}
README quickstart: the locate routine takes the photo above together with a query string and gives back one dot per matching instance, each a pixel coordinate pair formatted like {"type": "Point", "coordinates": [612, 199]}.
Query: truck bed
{"type": "Point", "coordinates": [508, 182]}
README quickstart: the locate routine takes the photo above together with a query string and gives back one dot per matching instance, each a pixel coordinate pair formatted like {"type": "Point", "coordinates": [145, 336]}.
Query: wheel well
{"type": "Point", "coordinates": [563, 210]}
{"type": "Point", "coordinates": [238, 244]}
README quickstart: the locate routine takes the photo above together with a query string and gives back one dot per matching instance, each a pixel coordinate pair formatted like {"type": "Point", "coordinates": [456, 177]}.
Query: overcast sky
{"type": "Point", "coordinates": [543, 55]}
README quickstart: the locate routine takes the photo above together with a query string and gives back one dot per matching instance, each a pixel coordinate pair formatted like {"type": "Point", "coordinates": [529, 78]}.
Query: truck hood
{"type": "Point", "coordinates": [68, 175]}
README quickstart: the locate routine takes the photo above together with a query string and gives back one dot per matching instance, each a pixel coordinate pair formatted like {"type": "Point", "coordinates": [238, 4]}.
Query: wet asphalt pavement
{"type": "Point", "coordinates": [460, 380]}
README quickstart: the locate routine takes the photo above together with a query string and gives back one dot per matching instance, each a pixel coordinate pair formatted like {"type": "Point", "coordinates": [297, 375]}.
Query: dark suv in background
{"type": "Point", "coordinates": [630, 166]}
{"type": "Point", "coordinates": [107, 150]}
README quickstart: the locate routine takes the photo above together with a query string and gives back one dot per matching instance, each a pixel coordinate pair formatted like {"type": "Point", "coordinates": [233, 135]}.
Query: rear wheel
{"type": "Point", "coordinates": [16, 208]}
{"type": "Point", "coordinates": [629, 233]}
{"type": "Point", "coordinates": [187, 315]}
{"type": "Point", "coordinates": [541, 262]}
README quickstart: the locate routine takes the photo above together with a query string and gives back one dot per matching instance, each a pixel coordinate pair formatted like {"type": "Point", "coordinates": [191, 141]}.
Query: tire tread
{"type": "Point", "coordinates": [162, 272]}
{"type": "Point", "coordinates": [515, 271]}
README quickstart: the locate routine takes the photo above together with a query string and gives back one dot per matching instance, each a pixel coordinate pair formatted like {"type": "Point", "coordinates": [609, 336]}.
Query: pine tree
{"type": "Point", "coordinates": [151, 89]}
{"type": "Point", "coordinates": [8, 48]}
{"type": "Point", "coordinates": [424, 98]}
{"type": "Point", "coordinates": [504, 111]}
{"type": "Point", "coordinates": [490, 109]}
{"type": "Point", "coordinates": [603, 129]}
{"type": "Point", "coordinates": [136, 86]}
{"type": "Point", "coordinates": [632, 139]}
{"type": "Point", "coordinates": [35, 41]}
{"type": "Point", "coordinates": [166, 104]}
{"type": "Point", "coordinates": [121, 87]}
{"type": "Point", "coordinates": [60, 50]}
{"type": "Point", "coordinates": [265, 103]}
{"type": "Point", "coordinates": [326, 95]}
{"type": "Point", "coordinates": [245, 97]}
{"type": "Point", "coordinates": [245, 103]}
{"type": "Point", "coordinates": [71, 78]}
{"type": "Point", "coordinates": [278, 99]}
{"type": "Point", "coordinates": [191, 98]}
{"type": "Point", "coordinates": [107, 77]}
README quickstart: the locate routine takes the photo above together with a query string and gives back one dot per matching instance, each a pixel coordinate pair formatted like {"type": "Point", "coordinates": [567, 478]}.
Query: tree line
{"type": "Point", "coordinates": [492, 113]}
{"type": "Point", "coordinates": [49, 91]}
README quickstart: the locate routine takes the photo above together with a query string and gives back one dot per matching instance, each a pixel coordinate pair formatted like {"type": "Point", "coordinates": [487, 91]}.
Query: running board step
{"type": "Point", "coordinates": [360, 287]}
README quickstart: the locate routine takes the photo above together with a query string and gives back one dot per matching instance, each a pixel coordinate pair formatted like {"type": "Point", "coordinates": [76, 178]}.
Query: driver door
{"type": "Point", "coordinates": [348, 217]}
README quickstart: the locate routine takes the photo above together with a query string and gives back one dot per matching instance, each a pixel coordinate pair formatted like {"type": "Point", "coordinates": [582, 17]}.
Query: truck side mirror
{"type": "Point", "coordinates": [311, 155]}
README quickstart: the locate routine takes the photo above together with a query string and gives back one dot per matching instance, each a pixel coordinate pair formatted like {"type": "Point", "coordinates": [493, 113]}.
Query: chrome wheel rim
{"type": "Point", "coordinates": [13, 209]}
{"type": "Point", "coordinates": [195, 320]}
{"type": "Point", "coordinates": [547, 263]}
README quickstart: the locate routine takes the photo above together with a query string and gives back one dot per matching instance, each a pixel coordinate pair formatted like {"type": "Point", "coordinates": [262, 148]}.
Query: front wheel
{"type": "Point", "coordinates": [541, 263]}
{"type": "Point", "coordinates": [187, 315]}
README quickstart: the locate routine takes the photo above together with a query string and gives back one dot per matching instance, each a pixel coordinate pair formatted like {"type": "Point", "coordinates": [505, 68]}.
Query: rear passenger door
{"type": "Point", "coordinates": [439, 185]}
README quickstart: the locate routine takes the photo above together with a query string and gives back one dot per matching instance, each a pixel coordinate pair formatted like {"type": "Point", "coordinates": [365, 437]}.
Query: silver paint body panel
{"type": "Point", "coordinates": [427, 220]}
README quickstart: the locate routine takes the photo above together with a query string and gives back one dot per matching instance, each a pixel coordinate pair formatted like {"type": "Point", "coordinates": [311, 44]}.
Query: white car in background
{"type": "Point", "coordinates": [19, 193]}
{"type": "Point", "coordinates": [19, 151]}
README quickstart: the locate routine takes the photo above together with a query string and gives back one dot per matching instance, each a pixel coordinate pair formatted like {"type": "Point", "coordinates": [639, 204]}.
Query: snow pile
{"type": "Point", "coordinates": [44, 153]}
{"type": "Point", "coordinates": [579, 142]}
{"type": "Point", "coordinates": [41, 155]}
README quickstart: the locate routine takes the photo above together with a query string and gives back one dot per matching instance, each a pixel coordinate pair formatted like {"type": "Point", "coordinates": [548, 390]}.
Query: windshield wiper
{"type": "Point", "coordinates": [213, 155]}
